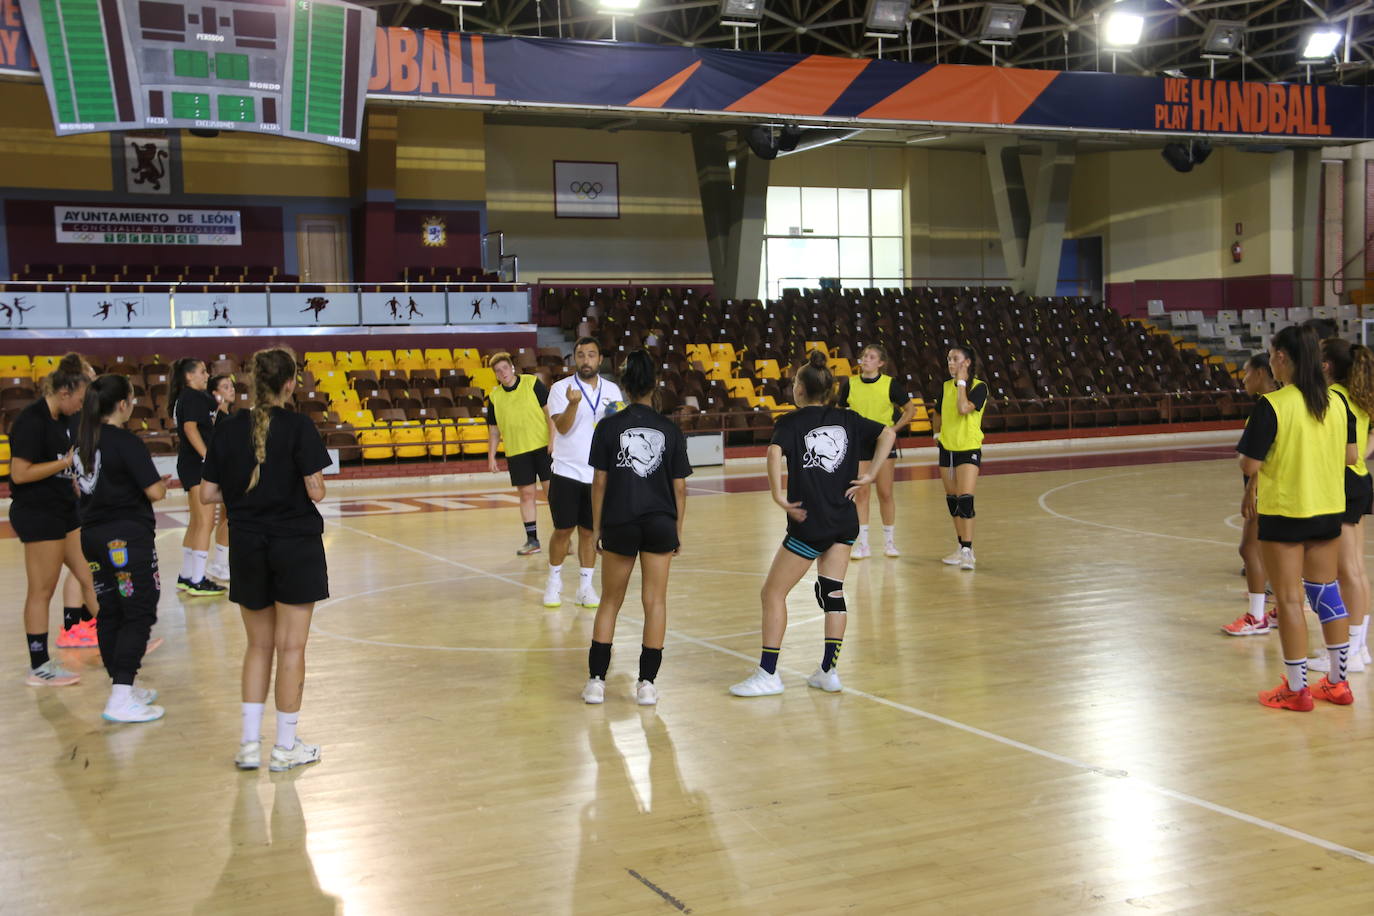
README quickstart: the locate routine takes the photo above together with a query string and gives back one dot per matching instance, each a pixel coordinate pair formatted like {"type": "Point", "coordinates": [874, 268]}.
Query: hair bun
{"type": "Point", "coordinates": [72, 362]}
{"type": "Point", "coordinates": [818, 359]}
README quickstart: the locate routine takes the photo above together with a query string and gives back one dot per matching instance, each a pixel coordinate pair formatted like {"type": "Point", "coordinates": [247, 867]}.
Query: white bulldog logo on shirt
{"type": "Point", "coordinates": [641, 450]}
{"type": "Point", "coordinates": [825, 448]}
{"type": "Point", "coordinates": [86, 481]}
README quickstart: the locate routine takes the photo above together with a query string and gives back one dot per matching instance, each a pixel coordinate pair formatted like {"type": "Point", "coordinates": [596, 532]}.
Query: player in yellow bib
{"type": "Point", "coordinates": [882, 399]}
{"type": "Point", "coordinates": [958, 424]}
{"type": "Point", "coordinates": [516, 414]}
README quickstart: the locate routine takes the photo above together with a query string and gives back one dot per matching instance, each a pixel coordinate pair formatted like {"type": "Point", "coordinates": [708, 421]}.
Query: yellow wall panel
{"type": "Point", "coordinates": [441, 155]}
{"type": "Point", "coordinates": [32, 157]}
{"type": "Point", "coordinates": [262, 165]}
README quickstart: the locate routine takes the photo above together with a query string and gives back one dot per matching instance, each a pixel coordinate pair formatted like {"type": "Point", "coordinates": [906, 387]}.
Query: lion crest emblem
{"type": "Point", "coordinates": [825, 448]}
{"type": "Point", "coordinates": [641, 450]}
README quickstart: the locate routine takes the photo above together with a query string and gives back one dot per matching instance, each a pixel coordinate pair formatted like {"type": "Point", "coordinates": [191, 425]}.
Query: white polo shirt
{"type": "Point", "coordinates": [572, 449]}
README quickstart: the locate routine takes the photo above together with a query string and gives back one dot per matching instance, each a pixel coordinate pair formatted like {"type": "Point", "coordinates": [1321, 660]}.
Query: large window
{"type": "Point", "coordinates": [853, 235]}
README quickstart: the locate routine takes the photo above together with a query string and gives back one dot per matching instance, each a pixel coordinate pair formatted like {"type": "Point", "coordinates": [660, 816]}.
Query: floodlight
{"type": "Point", "coordinates": [1000, 22]}
{"type": "Point", "coordinates": [886, 18]}
{"type": "Point", "coordinates": [617, 6]}
{"type": "Point", "coordinates": [1321, 44]}
{"type": "Point", "coordinates": [741, 14]}
{"type": "Point", "coordinates": [1123, 29]}
{"type": "Point", "coordinates": [1223, 36]}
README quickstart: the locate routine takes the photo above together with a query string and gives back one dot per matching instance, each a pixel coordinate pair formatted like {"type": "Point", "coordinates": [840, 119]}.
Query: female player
{"type": "Point", "coordinates": [266, 466]}
{"type": "Point", "coordinates": [959, 429]}
{"type": "Point", "coordinates": [821, 446]}
{"type": "Point", "coordinates": [879, 398]}
{"type": "Point", "coordinates": [639, 501]}
{"type": "Point", "coordinates": [118, 485]}
{"type": "Point", "coordinates": [1258, 380]}
{"type": "Point", "coordinates": [43, 508]}
{"type": "Point", "coordinates": [1294, 450]}
{"type": "Point", "coordinates": [1349, 368]}
{"type": "Point", "coordinates": [515, 413]}
{"type": "Point", "coordinates": [221, 388]}
{"type": "Point", "coordinates": [192, 411]}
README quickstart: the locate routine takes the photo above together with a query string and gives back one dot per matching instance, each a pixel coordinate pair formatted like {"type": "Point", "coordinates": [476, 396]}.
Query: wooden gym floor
{"type": "Point", "coordinates": [1064, 730]}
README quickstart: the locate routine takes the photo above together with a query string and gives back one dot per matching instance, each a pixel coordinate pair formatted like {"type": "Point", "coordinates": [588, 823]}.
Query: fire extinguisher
{"type": "Point", "coordinates": [1237, 253]}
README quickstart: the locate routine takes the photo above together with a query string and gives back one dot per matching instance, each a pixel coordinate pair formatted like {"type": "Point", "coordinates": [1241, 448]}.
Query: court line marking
{"type": "Point", "coordinates": [1084, 521]}
{"type": "Point", "coordinates": [1086, 767]}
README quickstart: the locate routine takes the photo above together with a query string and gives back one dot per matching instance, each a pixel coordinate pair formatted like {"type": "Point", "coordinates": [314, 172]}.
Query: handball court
{"type": "Point", "coordinates": [1064, 730]}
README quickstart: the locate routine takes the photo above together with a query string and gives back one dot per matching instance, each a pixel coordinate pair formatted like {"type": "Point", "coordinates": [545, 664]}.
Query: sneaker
{"type": "Point", "coordinates": [587, 597]}
{"type": "Point", "coordinates": [144, 695]}
{"type": "Point", "coordinates": [249, 756]}
{"type": "Point", "coordinates": [51, 674]}
{"type": "Point", "coordinates": [1353, 665]}
{"type": "Point", "coordinates": [183, 583]}
{"type": "Point", "coordinates": [646, 694]}
{"type": "Point", "coordinates": [1365, 657]}
{"type": "Point", "coordinates": [758, 684]}
{"type": "Point", "coordinates": [1333, 693]}
{"type": "Point", "coordinates": [966, 558]}
{"type": "Point", "coordinates": [205, 589]}
{"type": "Point", "coordinates": [133, 712]}
{"type": "Point", "coordinates": [79, 636]}
{"type": "Point", "coordinates": [531, 547]}
{"type": "Point", "coordinates": [594, 693]}
{"type": "Point", "coordinates": [829, 681]}
{"type": "Point", "coordinates": [890, 550]}
{"type": "Point", "coordinates": [218, 571]}
{"type": "Point", "coordinates": [1272, 616]}
{"type": "Point", "coordinates": [553, 592]}
{"type": "Point", "coordinates": [1245, 625]}
{"type": "Point", "coordinates": [1283, 698]}
{"type": "Point", "coordinates": [298, 755]}
{"type": "Point", "coordinates": [955, 558]}
{"type": "Point", "coordinates": [860, 551]}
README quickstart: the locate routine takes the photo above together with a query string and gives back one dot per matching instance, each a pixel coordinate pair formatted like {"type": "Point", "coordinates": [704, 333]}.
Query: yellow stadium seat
{"type": "Point", "coordinates": [472, 433]}
{"type": "Point", "coordinates": [817, 345]}
{"type": "Point", "coordinates": [409, 438]}
{"type": "Point", "coordinates": [4, 456]}
{"type": "Point", "coordinates": [361, 418]}
{"type": "Point", "coordinates": [467, 359]}
{"type": "Point", "coordinates": [772, 406]}
{"type": "Point", "coordinates": [320, 357]}
{"type": "Point", "coordinates": [349, 360]}
{"type": "Point", "coordinates": [920, 420]}
{"type": "Point", "coordinates": [442, 436]}
{"type": "Point", "coordinates": [376, 443]}
{"type": "Point", "coordinates": [410, 360]}
{"type": "Point", "coordinates": [332, 381]}
{"type": "Point", "coordinates": [44, 365]}
{"type": "Point", "coordinates": [438, 359]}
{"type": "Point", "coordinates": [718, 371]}
{"type": "Point", "coordinates": [725, 351]}
{"type": "Point", "coordinates": [767, 368]}
{"type": "Point", "coordinates": [483, 378]}
{"type": "Point", "coordinates": [16, 366]}
{"type": "Point", "coordinates": [344, 401]}
{"type": "Point", "coordinates": [699, 353]}
{"type": "Point", "coordinates": [379, 360]}
{"type": "Point", "coordinates": [740, 388]}
{"type": "Point", "coordinates": [841, 368]}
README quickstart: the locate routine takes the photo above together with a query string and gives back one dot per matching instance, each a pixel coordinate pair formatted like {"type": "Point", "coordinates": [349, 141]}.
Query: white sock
{"type": "Point", "coordinates": [252, 721]}
{"type": "Point", "coordinates": [198, 560]}
{"type": "Point", "coordinates": [584, 576]}
{"type": "Point", "coordinates": [1340, 659]}
{"type": "Point", "coordinates": [556, 572]}
{"type": "Point", "coordinates": [1357, 631]}
{"type": "Point", "coordinates": [187, 561]}
{"type": "Point", "coordinates": [286, 729]}
{"type": "Point", "coordinates": [1296, 672]}
{"type": "Point", "coordinates": [221, 555]}
{"type": "Point", "coordinates": [888, 531]}
{"type": "Point", "coordinates": [1256, 605]}
{"type": "Point", "coordinates": [863, 534]}
{"type": "Point", "coordinates": [121, 695]}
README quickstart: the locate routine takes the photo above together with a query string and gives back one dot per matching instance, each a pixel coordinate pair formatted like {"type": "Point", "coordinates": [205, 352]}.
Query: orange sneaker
{"type": "Point", "coordinates": [1283, 698]}
{"type": "Point", "coordinates": [1245, 625]}
{"type": "Point", "coordinates": [78, 636]}
{"type": "Point", "coordinates": [1333, 693]}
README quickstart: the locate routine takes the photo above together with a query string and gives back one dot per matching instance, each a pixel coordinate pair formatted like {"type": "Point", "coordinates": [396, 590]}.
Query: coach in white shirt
{"type": "Point", "coordinates": [576, 405]}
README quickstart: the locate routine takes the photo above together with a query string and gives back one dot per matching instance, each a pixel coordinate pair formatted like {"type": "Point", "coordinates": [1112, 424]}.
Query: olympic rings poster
{"type": "Point", "coordinates": [586, 190]}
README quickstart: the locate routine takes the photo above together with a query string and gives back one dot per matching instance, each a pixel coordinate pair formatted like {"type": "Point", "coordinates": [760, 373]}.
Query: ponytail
{"type": "Point", "coordinates": [638, 376]}
{"type": "Point", "coordinates": [272, 370]}
{"type": "Point", "coordinates": [1301, 346]}
{"type": "Point", "coordinates": [102, 398]}
{"type": "Point", "coordinates": [817, 382]}
{"type": "Point", "coordinates": [1352, 365]}
{"type": "Point", "coordinates": [178, 381]}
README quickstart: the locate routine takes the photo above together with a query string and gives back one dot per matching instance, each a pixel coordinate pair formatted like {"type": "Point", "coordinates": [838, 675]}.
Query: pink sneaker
{"type": "Point", "coordinates": [1245, 625]}
{"type": "Point", "coordinates": [79, 636]}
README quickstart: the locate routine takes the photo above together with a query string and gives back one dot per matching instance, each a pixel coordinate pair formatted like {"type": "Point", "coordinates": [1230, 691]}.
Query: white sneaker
{"type": "Point", "coordinates": [646, 694]}
{"type": "Point", "coordinates": [133, 712]}
{"type": "Point", "coordinates": [829, 681]}
{"type": "Point", "coordinates": [955, 558]}
{"type": "Point", "coordinates": [249, 756]}
{"type": "Point", "coordinates": [758, 684]}
{"type": "Point", "coordinates": [51, 674]}
{"type": "Point", "coordinates": [1355, 664]}
{"type": "Point", "coordinates": [553, 592]}
{"type": "Point", "coordinates": [587, 597]}
{"type": "Point", "coordinates": [890, 550]}
{"type": "Point", "coordinates": [966, 560]}
{"type": "Point", "coordinates": [297, 755]}
{"type": "Point", "coordinates": [860, 551]}
{"type": "Point", "coordinates": [144, 695]}
{"type": "Point", "coordinates": [1365, 657]}
{"type": "Point", "coordinates": [594, 693]}
{"type": "Point", "coordinates": [218, 571]}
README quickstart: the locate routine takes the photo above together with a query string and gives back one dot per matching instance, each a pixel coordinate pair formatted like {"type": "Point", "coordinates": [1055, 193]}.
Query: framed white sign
{"type": "Point", "coordinates": [32, 310]}
{"type": "Point", "coordinates": [403, 308]}
{"type": "Point", "coordinates": [586, 190]}
{"type": "Point", "coordinates": [488, 308]}
{"type": "Point", "coordinates": [120, 310]}
{"type": "Point", "coordinates": [221, 310]}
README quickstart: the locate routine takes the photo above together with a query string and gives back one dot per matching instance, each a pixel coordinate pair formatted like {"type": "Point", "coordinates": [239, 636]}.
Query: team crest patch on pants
{"type": "Point", "coordinates": [119, 553]}
{"type": "Point", "coordinates": [126, 584]}
{"type": "Point", "coordinates": [95, 567]}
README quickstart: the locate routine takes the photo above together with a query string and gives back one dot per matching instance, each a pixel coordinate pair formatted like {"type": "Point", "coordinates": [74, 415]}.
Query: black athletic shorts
{"type": "Point", "coordinates": [33, 525]}
{"type": "Point", "coordinates": [188, 472]}
{"type": "Point", "coordinates": [655, 533]}
{"type": "Point", "coordinates": [866, 454]}
{"type": "Point", "coordinates": [1359, 497]}
{"type": "Point", "coordinates": [570, 503]}
{"type": "Point", "coordinates": [950, 459]}
{"type": "Point", "coordinates": [527, 467]}
{"type": "Point", "coordinates": [1296, 530]}
{"type": "Point", "coordinates": [265, 569]}
{"type": "Point", "coordinates": [812, 549]}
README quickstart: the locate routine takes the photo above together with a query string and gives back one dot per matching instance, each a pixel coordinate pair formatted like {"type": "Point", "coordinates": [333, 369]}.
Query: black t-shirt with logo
{"type": "Point", "coordinates": [642, 453]}
{"type": "Point", "coordinates": [198, 407]}
{"type": "Point", "coordinates": [279, 504]}
{"type": "Point", "coordinates": [112, 489]}
{"type": "Point", "coordinates": [823, 446]}
{"type": "Point", "coordinates": [38, 437]}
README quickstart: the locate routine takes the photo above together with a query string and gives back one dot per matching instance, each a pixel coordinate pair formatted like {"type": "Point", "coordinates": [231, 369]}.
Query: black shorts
{"type": "Point", "coordinates": [1296, 530]}
{"type": "Point", "coordinates": [950, 459]}
{"type": "Point", "coordinates": [188, 471]}
{"type": "Point", "coordinates": [265, 569]}
{"type": "Point", "coordinates": [1359, 497]}
{"type": "Point", "coordinates": [570, 503]}
{"type": "Point", "coordinates": [527, 467]}
{"type": "Point", "coordinates": [650, 534]}
{"type": "Point", "coordinates": [811, 549]}
{"type": "Point", "coordinates": [33, 525]}
{"type": "Point", "coordinates": [866, 454]}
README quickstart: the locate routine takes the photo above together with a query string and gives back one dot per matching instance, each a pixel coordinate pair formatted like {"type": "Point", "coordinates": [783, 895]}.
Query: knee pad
{"type": "Point", "coordinates": [965, 507]}
{"type": "Point", "coordinates": [1325, 600]}
{"type": "Point", "coordinates": [830, 595]}
{"type": "Point", "coordinates": [953, 503]}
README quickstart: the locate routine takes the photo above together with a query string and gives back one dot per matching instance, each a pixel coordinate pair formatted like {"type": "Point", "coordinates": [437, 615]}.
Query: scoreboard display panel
{"type": "Point", "coordinates": [297, 68]}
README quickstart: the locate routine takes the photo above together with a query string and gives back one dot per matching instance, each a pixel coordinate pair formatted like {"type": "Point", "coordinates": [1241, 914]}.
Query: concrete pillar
{"type": "Point", "coordinates": [1307, 164]}
{"type": "Point", "coordinates": [1003, 157]}
{"type": "Point", "coordinates": [1049, 213]}
{"type": "Point", "coordinates": [373, 182]}
{"type": "Point", "coordinates": [750, 205]}
{"type": "Point", "coordinates": [712, 156]}
{"type": "Point", "coordinates": [1353, 232]}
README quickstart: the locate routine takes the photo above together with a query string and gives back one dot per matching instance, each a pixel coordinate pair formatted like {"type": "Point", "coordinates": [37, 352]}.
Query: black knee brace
{"type": "Point", "coordinates": [830, 595]}
{"type": "Point", "coordinates": [965, 505]}
{"type": "Point", "coordinates": [953, 503]}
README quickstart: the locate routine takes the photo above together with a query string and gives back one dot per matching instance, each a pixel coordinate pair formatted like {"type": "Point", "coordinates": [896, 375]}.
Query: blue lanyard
{"type": "Point", "coordinates": [586, 398]}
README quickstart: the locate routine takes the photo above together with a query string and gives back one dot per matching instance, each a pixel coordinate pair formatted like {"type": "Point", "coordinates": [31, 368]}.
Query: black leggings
{"type": "Point", "coordinates": [123, 560]}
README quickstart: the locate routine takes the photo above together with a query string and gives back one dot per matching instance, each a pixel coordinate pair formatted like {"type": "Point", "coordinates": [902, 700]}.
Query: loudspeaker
{"type": "Point", "coordinates": [1183, 156]}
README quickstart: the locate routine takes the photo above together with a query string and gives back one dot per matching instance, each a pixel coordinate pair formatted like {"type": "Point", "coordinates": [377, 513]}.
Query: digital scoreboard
{"type": "Point", "coordinates": [297, 68]}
